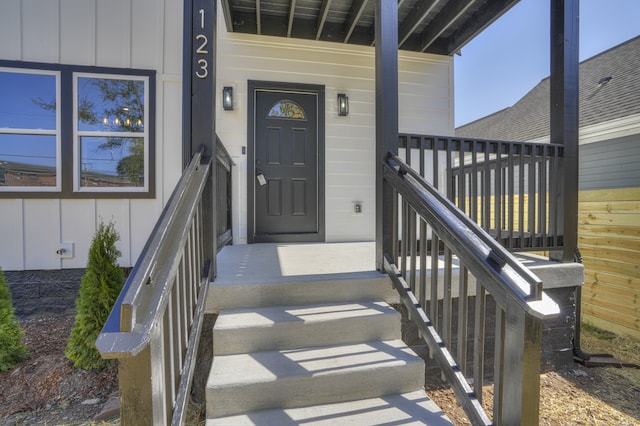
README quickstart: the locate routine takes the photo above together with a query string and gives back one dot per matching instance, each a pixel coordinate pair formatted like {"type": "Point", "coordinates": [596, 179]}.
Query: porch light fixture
{"type": "Point", "coordinates": [343, 105]}
{"type": "Point", "coordinates": [227, 98]}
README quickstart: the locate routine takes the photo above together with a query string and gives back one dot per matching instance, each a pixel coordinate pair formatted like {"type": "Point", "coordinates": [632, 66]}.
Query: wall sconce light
{"type": "Point", "coordinates": [343, 105]}
{"type": "Point", "coordinates": [227, 98]}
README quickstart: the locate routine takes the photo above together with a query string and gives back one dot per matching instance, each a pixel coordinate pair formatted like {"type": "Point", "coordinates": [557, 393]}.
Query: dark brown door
{"type": "Point", "coordinates": [286, 181]}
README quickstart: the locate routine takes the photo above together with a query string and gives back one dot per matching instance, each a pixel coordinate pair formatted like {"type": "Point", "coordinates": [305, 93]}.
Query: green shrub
{"type": "Point", "coordinates": [99, 290]}
{"type": "Point", "coordinates": [12, 349]}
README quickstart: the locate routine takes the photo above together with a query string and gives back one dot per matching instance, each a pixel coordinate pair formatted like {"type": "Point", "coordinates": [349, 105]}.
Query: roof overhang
{"type": "Point", "coordinates": [430, 26]}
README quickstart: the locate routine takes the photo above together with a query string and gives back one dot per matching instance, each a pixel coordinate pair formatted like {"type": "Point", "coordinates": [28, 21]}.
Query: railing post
{"type": "Point", "coordinates": [520, 386]}
{"type": "Point", "coordinates": [386, 25]}
{"type": "Point", "coordinates": [564, 114]}
{"type": "Point", "coordinates": [142, 387]}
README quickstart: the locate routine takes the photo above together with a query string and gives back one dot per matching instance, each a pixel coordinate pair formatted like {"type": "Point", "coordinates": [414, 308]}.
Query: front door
{"type": "Point", "coordinates": [286, 176]}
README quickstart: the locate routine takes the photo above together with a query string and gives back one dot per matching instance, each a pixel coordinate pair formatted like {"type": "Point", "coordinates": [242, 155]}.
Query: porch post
{"type": "Point", "coordinates": [199, 112]}
{"type": "Point", "coordinates": [564, 114]}
{"type": "Point", "coordinates": [386, 26]}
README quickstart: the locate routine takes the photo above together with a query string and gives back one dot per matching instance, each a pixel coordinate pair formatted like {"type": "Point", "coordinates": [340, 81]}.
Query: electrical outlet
{"type": "Point", "coordinates": [357, 207]}
{"type": "Point", "coordinates": [65, 250]}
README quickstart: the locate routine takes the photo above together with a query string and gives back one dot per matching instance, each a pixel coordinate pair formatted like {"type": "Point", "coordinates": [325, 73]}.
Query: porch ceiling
{"type": "Point", "coordinates": [431, 26]}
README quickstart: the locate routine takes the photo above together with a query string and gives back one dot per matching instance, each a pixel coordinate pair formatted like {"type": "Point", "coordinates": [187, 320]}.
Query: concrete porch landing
{"type": "Point", "coordinates": [295, 261]}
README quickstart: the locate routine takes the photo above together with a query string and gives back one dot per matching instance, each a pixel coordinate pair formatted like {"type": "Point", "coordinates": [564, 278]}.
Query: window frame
{"type": "Point", "coordinates": [67, 142]}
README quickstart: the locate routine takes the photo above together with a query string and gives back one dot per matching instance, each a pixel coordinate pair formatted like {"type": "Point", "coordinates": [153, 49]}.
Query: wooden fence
{"type": "Point", "coordinates": [609, 240]}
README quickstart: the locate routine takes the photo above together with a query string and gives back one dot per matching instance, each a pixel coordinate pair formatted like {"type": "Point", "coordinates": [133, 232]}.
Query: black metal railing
{"type": "Point", "coordinates": [155, 325]}
{"type": "Point", "coordinates": [224, 163]}
{"type": "Point", "coordinates": [446, 267]}
{"type": "Point", "coordinates": [511, 189]}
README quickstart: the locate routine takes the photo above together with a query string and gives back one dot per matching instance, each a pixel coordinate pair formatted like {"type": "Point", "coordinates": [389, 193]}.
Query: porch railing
{"type": "Point", "coordinates": [511, 189]}
{"type": "Point", "coordinates": [155, 325]}
{"type": "Point", "coordinates": [462, 269]}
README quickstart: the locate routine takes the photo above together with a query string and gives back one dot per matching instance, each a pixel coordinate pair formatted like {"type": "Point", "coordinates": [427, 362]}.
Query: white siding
{"type": "Point", "coordinates": [425, 107]}
{"type": "Point", "coordinates": [148, 34]}
{"type": "Point", "coordinates": [111, 33]}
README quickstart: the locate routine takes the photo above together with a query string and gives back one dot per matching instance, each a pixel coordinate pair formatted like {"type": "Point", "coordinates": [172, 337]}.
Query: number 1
{"type": "Point", "coordinates": [201, 12]}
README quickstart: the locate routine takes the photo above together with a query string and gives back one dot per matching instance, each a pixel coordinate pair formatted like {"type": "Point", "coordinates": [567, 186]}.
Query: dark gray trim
{"type": "Point", "coordinates": [564, 112]}
{"type": "Point", "coordinates": [66, 130]}
{"type": "Point", "coordinates": [319, 90]}
{"type": "Point", "coordinates": [199, 107]}
{"type": "Point", "coordinates": [386, 120]}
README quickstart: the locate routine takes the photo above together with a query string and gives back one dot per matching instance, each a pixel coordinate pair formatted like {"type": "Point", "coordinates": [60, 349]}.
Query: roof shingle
{"type": "Point", "coordinates": [600, 99]}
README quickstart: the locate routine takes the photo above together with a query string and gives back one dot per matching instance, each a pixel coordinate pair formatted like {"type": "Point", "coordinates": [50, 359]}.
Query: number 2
{"type": "Point", "coordinates": [201, 50]}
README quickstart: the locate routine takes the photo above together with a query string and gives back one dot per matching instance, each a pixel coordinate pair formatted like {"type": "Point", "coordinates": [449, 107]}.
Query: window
{"type": "Point", "coordinates": [286, 108]}
{"type": "Point", "coordinates": [29, 130]}
{"type": "Point", "coordinates": [76, 131]}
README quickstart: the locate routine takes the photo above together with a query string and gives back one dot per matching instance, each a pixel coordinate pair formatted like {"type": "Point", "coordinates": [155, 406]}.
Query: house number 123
{"type": "Point", "coordinates": [201, 43]}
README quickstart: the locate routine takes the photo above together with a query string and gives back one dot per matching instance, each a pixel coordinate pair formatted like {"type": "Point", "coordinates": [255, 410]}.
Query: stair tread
{"type": "Point", "coordinates": [268, 366]}
{"type": "Point", "coordinates": [412, 408]}
{"type": "Point", "coordinates": [268, 316]}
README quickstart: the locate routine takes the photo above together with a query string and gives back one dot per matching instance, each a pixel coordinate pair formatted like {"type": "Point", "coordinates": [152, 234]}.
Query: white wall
{"type": "Point", "coordinates": [144, 34]}
{"type": "Point", "coordinates": [426, 107]}
{"type": "Point", "coordinates": [147, 34]}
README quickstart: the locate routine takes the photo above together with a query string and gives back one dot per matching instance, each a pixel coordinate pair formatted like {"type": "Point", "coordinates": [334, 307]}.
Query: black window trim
{"type": "Point", "coordinates": [67, 132]}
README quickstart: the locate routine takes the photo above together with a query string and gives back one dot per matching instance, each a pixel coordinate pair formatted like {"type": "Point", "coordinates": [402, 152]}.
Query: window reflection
{"type": "Point", "coordinates": [111, 162]}
{"type": "Point", "coordinates": [287, 108]}
{"type": "Point", "coordinates": [110, 104]}
{"type": "Point", "coordinates": [27, 101]}
{"type": "Point", "coordinates": [27, 160]}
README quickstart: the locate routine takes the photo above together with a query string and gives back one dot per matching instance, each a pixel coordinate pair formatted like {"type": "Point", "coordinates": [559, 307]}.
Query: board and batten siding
{"type": "Point", "coordinates": [425, 106]}
{"type": "Point", "coordinates": [144, 34]}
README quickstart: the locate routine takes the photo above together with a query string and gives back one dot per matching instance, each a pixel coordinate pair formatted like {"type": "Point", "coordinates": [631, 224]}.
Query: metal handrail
{"type": "Point", "coordinates": [155, 325]}
{"type": "Point", "coordinates": [125, 333]}
{"type": "Point", "coordinates": [522, 305]}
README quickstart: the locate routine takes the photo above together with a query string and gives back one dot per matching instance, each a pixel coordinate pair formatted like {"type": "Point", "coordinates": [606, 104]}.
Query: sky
{"type": "Point", "coordinates": [511, 57]}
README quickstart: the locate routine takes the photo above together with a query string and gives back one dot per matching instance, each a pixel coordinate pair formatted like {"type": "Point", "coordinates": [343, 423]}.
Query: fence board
{"type": "Point", "coordinates": [609, 240]}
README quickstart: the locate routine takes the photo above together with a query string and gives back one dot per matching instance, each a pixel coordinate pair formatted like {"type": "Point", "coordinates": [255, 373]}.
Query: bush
{"type": "Point", "coordinates": [99, 290]}
{"type": "Point", "coordinates": [12, 349]}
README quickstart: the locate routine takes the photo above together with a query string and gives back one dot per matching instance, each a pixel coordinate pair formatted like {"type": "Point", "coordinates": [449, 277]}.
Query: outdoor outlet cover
{"type": "Point", "coordinates": [65, 250]}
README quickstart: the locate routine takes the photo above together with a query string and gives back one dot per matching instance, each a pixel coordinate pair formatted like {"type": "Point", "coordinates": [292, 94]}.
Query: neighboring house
{"type": "Point", "coordinates": [609, 212]}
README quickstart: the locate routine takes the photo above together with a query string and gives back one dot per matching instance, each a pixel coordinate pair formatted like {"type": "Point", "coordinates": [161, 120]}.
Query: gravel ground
{"type": "Point", "coordinates": [45, 389]}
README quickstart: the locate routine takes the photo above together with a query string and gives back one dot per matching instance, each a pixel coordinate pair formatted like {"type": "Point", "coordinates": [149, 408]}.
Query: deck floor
{"type": "Point", "coordinates": [279, 262]}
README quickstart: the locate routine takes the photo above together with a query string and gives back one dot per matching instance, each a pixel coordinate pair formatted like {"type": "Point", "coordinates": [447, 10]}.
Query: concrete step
{"type": "Point", "coordinates": [413, 408]}
{"type": "Point", "coordinates": [243, 383]}
{"type": "Point", "coordinates": [287, 327]}
{"type": "Point", "coordinates": [236, 293]}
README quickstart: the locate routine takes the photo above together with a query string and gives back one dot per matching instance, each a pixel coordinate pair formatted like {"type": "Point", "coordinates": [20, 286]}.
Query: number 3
{"type": "Point", "coordinates": [203, 72]}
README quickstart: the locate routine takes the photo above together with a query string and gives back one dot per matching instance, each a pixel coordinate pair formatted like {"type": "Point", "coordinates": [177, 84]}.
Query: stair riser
{"type": "Point", "coordinates": [300, 391]}
{"type": "Point", "coordinates": [300, 334]}
{"type": "Point", "coordinates": [234, 296]}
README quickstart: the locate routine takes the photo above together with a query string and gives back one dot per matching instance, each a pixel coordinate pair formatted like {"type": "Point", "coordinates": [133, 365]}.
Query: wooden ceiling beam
{"type": "Point", "coordinates": [357, 8]}
{"type": "Point", "coordinates": [322, 17]}
{"type": "Point", "coordinates": [226, 11]}
{"type": "Point", "coordinates": [447, 17]}
{"type": "Point", "coordinates": [417, 16]}
{"type": "Point", "coordinates": [292, 13]}
{"type": "Point", "coordinates": [258, 22]}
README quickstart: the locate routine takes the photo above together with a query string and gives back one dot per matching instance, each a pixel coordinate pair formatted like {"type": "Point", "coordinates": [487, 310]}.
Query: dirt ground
{"type": "Point", "coordinates": [46, 390]}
